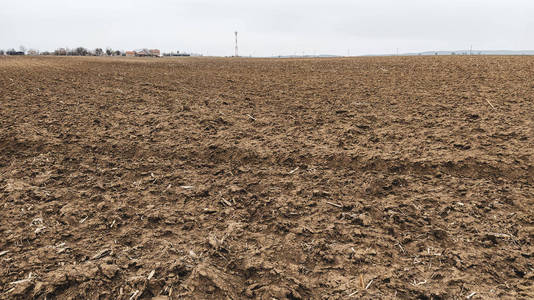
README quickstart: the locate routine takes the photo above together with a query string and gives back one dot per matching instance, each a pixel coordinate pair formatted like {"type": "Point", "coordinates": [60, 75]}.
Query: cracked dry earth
{"type": "Point", "coordinates": [212, 178]}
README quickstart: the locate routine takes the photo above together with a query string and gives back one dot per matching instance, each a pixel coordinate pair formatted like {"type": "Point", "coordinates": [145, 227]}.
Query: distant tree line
{"type": "Point", "coordinates": [79, 51]}
{"type": "Point", "coordinates": [177, 53]}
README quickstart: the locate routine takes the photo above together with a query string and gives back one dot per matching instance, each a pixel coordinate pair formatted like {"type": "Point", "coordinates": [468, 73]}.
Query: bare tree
{"type": "Point", "coordinates": [81, 51]}
{"type": "Point", "coordinates": [99, 52]}
{"type": "Point", "coordinates": [60, 52]}
{"type": "Point", "coordinates": [22, 49]}
{"type": "Point", "coordinates": [109, 51]}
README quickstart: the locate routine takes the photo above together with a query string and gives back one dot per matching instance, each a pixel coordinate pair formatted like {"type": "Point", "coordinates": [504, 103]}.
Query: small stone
{"type": "Point", "coordinates": [109, 270]}
{"type": "Point", "coordinates": [235, 189]}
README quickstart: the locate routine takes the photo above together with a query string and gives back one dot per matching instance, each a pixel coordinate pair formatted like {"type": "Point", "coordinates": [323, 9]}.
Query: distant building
{"type": "Point", "coordinates": [13, 52]}
{"type": "Point", "coordinates": [144, 53]}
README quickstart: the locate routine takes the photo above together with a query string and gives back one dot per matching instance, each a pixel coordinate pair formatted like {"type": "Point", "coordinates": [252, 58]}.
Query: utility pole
{"type": "Point", "coordinates": [236, 53]}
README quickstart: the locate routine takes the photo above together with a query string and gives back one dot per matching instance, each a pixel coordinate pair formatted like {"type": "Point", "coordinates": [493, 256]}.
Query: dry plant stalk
{"type": "Point", "coordinates": [490, 104]}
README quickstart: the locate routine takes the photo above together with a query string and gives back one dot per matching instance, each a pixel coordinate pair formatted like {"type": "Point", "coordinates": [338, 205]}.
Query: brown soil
{"type": "Point", "coordinates": [263, 178]}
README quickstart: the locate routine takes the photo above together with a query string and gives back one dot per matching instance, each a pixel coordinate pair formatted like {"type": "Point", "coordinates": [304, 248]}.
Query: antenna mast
{"type": "Point", "coordinates": [236, 55]}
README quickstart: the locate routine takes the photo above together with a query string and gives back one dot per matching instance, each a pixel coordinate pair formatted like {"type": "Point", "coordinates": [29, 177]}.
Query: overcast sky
{"type": "Point", "coordinates": [269, 27]}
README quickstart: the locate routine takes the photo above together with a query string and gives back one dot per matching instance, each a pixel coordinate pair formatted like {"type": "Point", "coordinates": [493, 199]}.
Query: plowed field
{"type": "Point", "coordinates": [204, 178]}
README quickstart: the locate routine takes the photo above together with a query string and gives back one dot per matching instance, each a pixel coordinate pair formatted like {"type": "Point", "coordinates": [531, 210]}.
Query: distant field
{"type": "Point", "coordinates": [198, 178]}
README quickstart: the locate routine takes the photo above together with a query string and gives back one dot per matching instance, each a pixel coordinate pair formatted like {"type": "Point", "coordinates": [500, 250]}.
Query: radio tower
{"type": "Point", "coordinates": [236, 55]}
